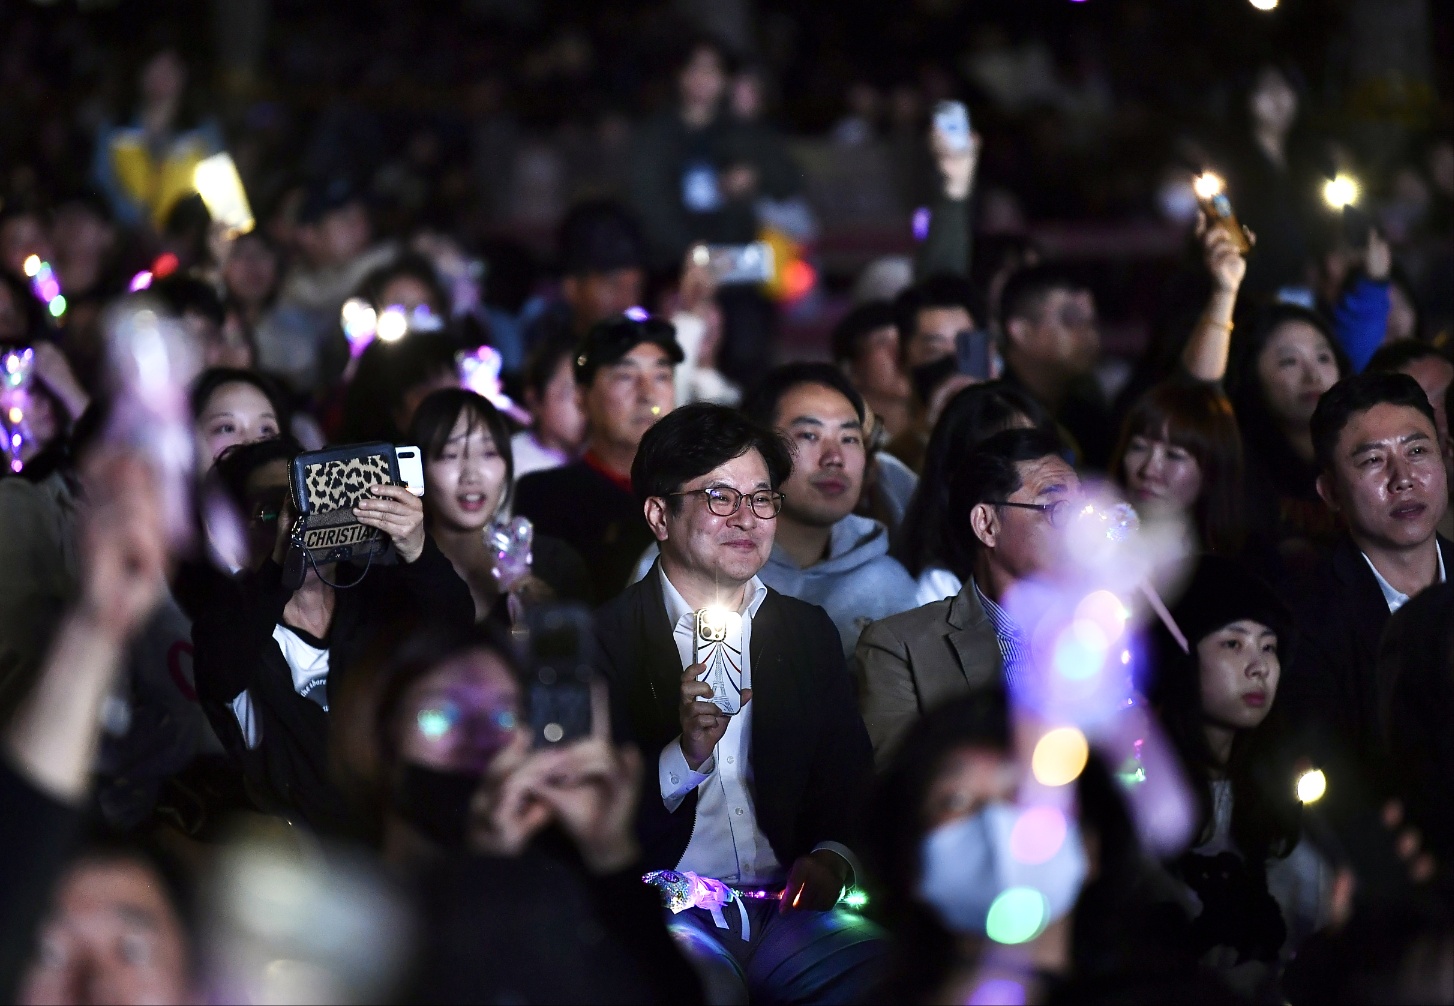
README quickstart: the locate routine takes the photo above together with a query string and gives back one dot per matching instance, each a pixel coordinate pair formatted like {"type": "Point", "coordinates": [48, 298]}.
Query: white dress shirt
{"type": "Point", "coordinates": [726, 843]}
{"type": "Point", "coordinates": [1392, 596]}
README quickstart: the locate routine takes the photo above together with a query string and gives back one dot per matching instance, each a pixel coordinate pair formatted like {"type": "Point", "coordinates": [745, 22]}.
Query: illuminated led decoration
{"type": "Point", "coordinates": [1341, 191]}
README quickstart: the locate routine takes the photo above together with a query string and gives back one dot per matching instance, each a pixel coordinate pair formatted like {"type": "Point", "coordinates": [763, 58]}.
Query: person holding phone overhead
{"type": "Point", "coordinates": [747, 825]}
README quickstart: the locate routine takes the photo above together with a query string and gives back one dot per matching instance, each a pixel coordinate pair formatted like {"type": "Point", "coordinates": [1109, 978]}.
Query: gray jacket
{"type": "Point", "coordinates": [910, 663]}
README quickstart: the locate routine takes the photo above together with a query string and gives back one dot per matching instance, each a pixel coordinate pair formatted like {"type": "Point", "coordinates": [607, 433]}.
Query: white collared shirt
{"type": "Point", "coordinates": [726, 842]}
{"type": "Point", "coordinates": [1391, 595]}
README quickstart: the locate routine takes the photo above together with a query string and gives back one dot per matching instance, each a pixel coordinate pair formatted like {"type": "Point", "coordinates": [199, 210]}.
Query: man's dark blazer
{"type": "Point", "coordinates": [591, 514]}
{"type": "Point", "coordinates": [811, 759]}
{"type": "Point", "coordinates": [1331, 688]}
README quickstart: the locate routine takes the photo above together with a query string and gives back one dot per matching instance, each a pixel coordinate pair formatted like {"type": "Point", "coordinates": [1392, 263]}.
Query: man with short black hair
{"type": "Point", "coordinates": [1009, 502]}
{"type": "Point", "coordinates": [624, 380]}
{"type": "Point", "coordinates": [1378, 453]}
{"type": "Point", "coordinates": [826, 554]}
{"type": "Point", "coordinates": [1048, 322]}
{"type": "Point", "coordinates": [762, 802]}
{"type": "Point", "coordinates": [929, 315]}
{"type": "Point", "coordinates": [1434, 371]}
{"type": "Point", "coordinates": [865, 345]}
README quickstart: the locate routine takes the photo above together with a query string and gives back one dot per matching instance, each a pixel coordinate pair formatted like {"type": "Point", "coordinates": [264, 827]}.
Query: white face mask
{"type": "Point", "coordinates": [971, 861]}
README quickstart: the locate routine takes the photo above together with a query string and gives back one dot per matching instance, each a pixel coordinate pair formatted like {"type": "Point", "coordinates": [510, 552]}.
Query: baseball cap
{"type": "Point", "coordinates": [609, 340]}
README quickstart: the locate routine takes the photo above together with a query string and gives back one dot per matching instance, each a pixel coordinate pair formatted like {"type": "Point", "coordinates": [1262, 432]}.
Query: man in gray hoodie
{"type": "Point", "coordinates": [825, 554]}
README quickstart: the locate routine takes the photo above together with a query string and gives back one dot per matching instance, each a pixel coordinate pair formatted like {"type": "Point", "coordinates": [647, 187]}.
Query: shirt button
{"type": "Point", "coordinates": [731, 760]}
{"type": "Point", "coordinates": [676, 779]}
{"type": "Point", "coordinates": [739, 811]}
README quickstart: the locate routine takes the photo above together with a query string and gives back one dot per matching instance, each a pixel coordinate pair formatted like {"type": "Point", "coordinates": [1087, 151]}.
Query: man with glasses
{"type": "Point", "coordinates": [755, 798]}
{"type": "Point", "coordinates": [1052, 346]}
{"type": "Point", "coordinates": [1008, 505]}
{"type": "Point", "coordinates": [625, 383]}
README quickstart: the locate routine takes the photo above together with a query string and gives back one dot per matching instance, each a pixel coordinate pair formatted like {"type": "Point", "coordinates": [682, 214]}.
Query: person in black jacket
{"type": "Point", "coordinates": [1381, 471]}
{"type": "Point", "coordinates": [760, 802]}
{"type": "Point", "coordinates": [624, 376]}
{"type": "Point", "coordinates": [265, 654]}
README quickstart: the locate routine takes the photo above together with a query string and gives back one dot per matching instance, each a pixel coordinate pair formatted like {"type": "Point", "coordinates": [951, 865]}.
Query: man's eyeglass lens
{"type": "Point", "coordinates": [724, 502]}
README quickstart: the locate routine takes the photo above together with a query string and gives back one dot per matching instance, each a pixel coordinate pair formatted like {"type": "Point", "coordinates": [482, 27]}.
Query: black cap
{"type": "Point", "coordinates": [613, 338]}
{"type": "Point", "coordinates": [1221, 591]}
{"type": "Point", "coordinates": [600, 236]}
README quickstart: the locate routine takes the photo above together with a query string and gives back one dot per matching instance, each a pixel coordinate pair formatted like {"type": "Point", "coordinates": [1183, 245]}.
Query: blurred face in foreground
{"type": "Point", "coordinates": [463, 716]}
{"type": "Point", "coordinates": [112, 937]}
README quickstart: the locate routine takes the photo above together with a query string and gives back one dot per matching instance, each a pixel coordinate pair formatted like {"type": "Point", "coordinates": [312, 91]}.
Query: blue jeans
{"type": "Point", "coordinates": [800, 957]}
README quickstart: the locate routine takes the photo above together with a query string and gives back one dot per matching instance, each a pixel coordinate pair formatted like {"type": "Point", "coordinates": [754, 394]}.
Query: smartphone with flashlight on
{"type": "Point", "coordinates": [951, 121]}
{"type": "Point", "coordinates": [560, 643]}
{"type": "Point", "coordinates": [717, 643]}
{"type": "Point", "coordinates": [1211, 194]}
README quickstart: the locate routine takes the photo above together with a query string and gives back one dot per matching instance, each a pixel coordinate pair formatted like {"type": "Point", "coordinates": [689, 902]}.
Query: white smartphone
{"type": "Point", "coordinates": [718, 644]}
{"type": "Point", "coordinates": [951, 119]}
{"type": "Point", "coordinates": [411, 468]}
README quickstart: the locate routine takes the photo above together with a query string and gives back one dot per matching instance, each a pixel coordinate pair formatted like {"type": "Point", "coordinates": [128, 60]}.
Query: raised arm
{"type": "Point", "coordinates": [1205, 355]}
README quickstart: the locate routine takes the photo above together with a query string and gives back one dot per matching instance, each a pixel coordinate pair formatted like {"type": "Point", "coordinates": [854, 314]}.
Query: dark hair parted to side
{"type": "Point", "coordinates": [853, 329]}
{"type": "Point", "coordinates": [1198, 418]}
{"type": "Point", "coordinates": [971, 417]}
{"type": "Point", "coordinates": [1025, 291]}
{"type": "Point", "coordinates": [761, 404]}
{"type": "Point", "coordinates": [437, 414]}
{"type": "Point", "coordinates": [941, 290]}
{"type": "Point", "coordinates": [386, 372]}
{"type": "Point", "coordinates": [1357, 394]}
{"type": "Point", "coordinates": [213, 378]}
{"type": "Point", "coordinates": [691, 441]}
{"type": "Point", "coordinates": [990, 475]}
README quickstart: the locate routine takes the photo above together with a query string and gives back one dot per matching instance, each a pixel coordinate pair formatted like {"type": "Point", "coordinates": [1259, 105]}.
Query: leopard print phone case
{"type": "Point", "coordinates": [325, 486]}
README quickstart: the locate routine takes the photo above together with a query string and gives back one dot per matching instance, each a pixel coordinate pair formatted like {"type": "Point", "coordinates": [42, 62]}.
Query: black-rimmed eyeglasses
{"type": "Point", "coordinates": [724, 501]}
{"type": "Point", "coordinates": [1057, 513]}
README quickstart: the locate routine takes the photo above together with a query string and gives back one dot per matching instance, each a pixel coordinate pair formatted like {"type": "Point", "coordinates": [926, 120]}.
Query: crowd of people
{"type": "Point", "coordinates": [959, 663]}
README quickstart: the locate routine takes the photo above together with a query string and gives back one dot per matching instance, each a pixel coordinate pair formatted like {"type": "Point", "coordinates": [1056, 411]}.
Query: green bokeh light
{"type": "Point", "coordinates": [853, 898]}
{"type": "Point", "coordinates": [1016, 915]}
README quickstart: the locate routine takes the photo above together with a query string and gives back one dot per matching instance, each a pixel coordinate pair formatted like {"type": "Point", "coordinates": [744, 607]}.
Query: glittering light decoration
{"type": "Point", "coordinates": [853, 898]}
{"type": "Point", "coordinates": [16, 373]}
{"type": "Point", "coordinates": [45, 285]}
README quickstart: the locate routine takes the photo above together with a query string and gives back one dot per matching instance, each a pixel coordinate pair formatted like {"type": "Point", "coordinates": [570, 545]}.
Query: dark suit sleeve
{"type": "Point", "coordinates": [842, 759]}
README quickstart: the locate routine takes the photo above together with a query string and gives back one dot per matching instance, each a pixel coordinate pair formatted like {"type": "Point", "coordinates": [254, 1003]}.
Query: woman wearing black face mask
{"type": "Point", "coordinates": [529, 853]}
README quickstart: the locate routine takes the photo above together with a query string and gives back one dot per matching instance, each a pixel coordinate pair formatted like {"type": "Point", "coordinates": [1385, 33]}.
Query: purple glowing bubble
{"type": "Point", "coordinates": [637, 313]}
{"type": "Point", "coordinates": [140, 281]}
{"type": "Point", "coordinates": [1038, 835]}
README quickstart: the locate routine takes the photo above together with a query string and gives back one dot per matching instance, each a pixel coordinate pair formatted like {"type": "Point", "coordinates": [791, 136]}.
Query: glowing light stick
{"type": "Point", "coordinates": [216, 180]}
{"type": "Point", "coordinates": [1211, 194]}
{"type": "Point", "coordinates": [152, 361]}
{"type": "Point", "coordinates": [513, 543]}
{"type": "Point", "coordinates": [45, 285]}
{"type": "Point", "coordinates": [479, 371]}
{"type": "Point", "coordinates": [17, 369]}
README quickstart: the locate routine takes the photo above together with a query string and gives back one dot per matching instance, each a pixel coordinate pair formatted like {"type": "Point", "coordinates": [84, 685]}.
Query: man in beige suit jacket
{"type": "Point", "coordinates": [1015, 492]}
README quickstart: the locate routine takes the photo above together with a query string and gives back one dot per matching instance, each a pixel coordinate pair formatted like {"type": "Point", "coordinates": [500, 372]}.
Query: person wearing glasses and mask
{"type": "Point", "coordinates": [625, 381]}
{"type": "Point", "coordinates": [1008, 504]}
{"type": "Point", "coordinates": [755, 797]}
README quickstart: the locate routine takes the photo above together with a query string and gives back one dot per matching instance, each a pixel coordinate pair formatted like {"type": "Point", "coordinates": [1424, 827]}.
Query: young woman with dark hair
{"type": "Point", "coordinates": [1259, 890]}
{"type": "Point", "coordinates": [234, 406]}
{"type": "Point", "coordinates": [972, 415]}
{"type": "Point", "coordinates": [1278, 374]}
{"type": "Point", "coordinates": [1180, 457]}
{"type": "Point", "coordinates": [468, 478]}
